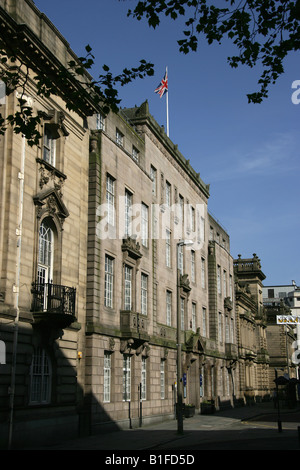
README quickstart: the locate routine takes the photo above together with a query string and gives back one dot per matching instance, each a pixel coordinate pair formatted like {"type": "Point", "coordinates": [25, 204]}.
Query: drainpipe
{"type": "Point", "coordinates": [16, 289]}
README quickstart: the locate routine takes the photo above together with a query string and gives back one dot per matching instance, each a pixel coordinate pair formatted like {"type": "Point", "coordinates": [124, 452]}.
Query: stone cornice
{"type": "Point", "coordinates": [19, 40]}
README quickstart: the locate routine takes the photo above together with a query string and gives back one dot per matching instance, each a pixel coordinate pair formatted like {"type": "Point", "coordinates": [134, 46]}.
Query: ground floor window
{"type": "Point", "coordinates": [126, 378]}
{"type": "Point", "coordinates": [162, 379]}
{"type": "Point", "coordinates": [144, 378]}
{"type": "Point", "coordinates": [40, 378]}
{"type": "Point", "coordinates": [107, 377]}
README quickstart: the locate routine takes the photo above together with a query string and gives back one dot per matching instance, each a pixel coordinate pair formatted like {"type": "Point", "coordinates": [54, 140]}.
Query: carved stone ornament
{"type": "Point", "coordinates": [132, 247]}
{"type": "Point", "coordinates": [185, 282]}
{"type": "Point", "coordinates": [51, 202]}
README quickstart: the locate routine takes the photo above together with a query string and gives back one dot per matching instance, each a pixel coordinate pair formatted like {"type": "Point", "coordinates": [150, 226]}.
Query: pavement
{"type": "Point", "coordinates": [257, 427]}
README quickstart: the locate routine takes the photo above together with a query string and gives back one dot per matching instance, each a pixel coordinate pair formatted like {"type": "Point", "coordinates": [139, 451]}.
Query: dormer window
{"type": "Point", "coordinates": [49, 147]}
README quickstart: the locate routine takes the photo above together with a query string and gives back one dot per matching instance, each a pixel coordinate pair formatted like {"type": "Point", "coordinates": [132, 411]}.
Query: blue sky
{"type": "Point", "coordinates": [249, 154]}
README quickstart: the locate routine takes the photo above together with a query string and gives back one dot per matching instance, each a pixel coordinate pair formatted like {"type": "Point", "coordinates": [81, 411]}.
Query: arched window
{"type": "Point", "coordinates": [45, 255]}
{"type": "Point", "coordinates": [40, 378]}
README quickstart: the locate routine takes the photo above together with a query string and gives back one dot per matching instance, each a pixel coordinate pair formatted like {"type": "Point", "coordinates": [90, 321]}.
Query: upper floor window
{"type": "Point", "coordinates": [45, 255]}
{"type": "Point", "coordinates": [153, 174]}
{"type": "Point", "coordinates": [128, 288]}
{"type": "Point", "coordinates": [128, 213]}
{"type": "Point", "coordinates": [144, 294]}
{"type": "Point", "coordinates": [203, 273]}
{"type": "Point", "coordinates": [168, 194]}
{"type": "Point", "coordinates": [135, 153]}
{"type": "Point", "coordinates": [194, 321]}
{"type": "Point", "coordinates": [109, 281]}
{"type": "Point", "coordinates": [100, 124]}
{"type": "Point", "coordinates": [180, 258]}
{"type": "Point", "coordinates": [193, 266]}
{"type": "Point", "coordinates": [110, 199]}
{"type": "Point", "coordinates": [169, 307]}
{"type": "Point", "coordinates": [168, 248]}
{"type": "Point", "coordinates": [119, 138]}
{"type": "Point", "coordinates": [144, 225]}
{"type": "Point", "coordinates": [219, 279]}
{"type": "Point", "coordinates": [49, 146]}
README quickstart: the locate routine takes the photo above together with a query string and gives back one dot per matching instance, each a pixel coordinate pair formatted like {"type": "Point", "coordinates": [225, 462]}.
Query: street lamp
{"type": "Point", "coordinates": [179, 371]}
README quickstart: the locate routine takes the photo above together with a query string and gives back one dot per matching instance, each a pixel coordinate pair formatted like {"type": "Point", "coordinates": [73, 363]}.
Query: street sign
{"type": "Point", "coordinates": [287, 320]}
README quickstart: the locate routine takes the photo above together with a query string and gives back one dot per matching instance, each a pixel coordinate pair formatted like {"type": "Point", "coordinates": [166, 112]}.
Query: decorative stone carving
{"type": "Point", "coordinates": [51, 202]}
{"type": "Point", "coordinates": [185, 282]}
{"type": "Point", "coordinates": [132, 247]}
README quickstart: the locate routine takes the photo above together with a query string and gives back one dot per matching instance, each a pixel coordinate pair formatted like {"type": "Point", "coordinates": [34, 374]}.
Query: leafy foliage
{"type": "Point", "coordinates": [264, 31]}
{"type": "Point", "coordinates": [73, 84]}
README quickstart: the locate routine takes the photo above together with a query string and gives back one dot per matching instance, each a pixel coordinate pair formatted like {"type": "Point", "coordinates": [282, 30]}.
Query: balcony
{"type": "Point", "coordinates": [53, 304]}
{"type": "Point", "coordinates": [134, 325]}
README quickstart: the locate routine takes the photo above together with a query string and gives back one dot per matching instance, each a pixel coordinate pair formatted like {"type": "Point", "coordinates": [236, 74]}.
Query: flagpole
{"type": "Point", "coordinates": [167, 103]}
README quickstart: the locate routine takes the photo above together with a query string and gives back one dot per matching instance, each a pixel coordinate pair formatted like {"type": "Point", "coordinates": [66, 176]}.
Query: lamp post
{"type": "Point", "coordinates": [179, 368]}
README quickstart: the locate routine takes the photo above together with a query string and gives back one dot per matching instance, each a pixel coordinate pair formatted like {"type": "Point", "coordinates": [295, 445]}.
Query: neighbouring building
{"type": "Point", "coordinates": [252, 330]}
{"type": "Point", "coordinates": [282, 302]}
{"type": "Point", "coordinates": [43, 242]}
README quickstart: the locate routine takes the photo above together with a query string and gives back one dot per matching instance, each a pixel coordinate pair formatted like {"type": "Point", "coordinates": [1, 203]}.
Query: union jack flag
{"type": "Point", "coordinates": [163, 86]}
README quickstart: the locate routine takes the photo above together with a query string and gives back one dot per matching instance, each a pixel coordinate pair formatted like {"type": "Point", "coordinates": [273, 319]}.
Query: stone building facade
{"type": "Point", "coordinates": [112, 267]}
{"type": "Point", "coordinates": [43, 245]}
{"type": "Point", "coordinates": [138, 175]}
{"type": "Point", "coordinates": [252, 330]}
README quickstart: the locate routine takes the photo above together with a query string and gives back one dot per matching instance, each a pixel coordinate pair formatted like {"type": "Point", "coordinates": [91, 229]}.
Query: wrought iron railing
{"type": "Point", "coordinates": [53, 298]}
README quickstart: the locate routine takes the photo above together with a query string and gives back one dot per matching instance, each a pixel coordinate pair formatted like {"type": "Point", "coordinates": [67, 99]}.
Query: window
{"type": "Point", "coordinates": [232, 329]}
{"type": "Point", "coordinates": [135, 153]}
{"type": "Point", "coordinates": [128, 209]}
{"type": "Point", "coordinates": [271, 294]}
{"type": "Point", "coordinates": [119, 138]}
{"type": "Point", "coordinates": [224, 283]}
{"type": "Point", "coordinates": [162, 379]}
{"type": "Point", "coordinates": [168, 194]}
{"type": "Point", "coordinates": [194, 317]}
{"type": "Point", "coordinates": [128, 288]}
{"type": "Point", "coordinates": [40, 378]}
{"type": "Point", "coordinates": [204, 332]}
{"type": "Point", "coordinates": [144, 225]}
{"type": "Point", "coordinates": [193, 220]}
{"type": "Point", "coordinates": [219, 279]}
{"type": "Point", "coordinates": [169, 307]}
{"type": "Point", "coordinates": [193, 266]}
{"type": "Point", "coordinates": [227, 329]}
{"type": "Point", "coordinates": [153, 175]}
{"type": "Point", "coordinates": [182, 313]}
{"type": "Point", "coordinates": [49, 148]}
{"type": "Point", "coordinates": [202, 228]}
{"type": "Point", "coordinates": [45, 255]}
{"type": "Point", "coordinates": [168, 248]}
{"type": "Point", "coordinates": [144, 378]}
{"type": "Point", "coordinates": [110, 199]}
{"type": "Point", "coordinates": [126, 377]}
{"type": "Point", "coordinates": [100, 124]}
{"type": "Point", "coordinates": [203, 284]}
{"type": "Point", "coordinates": [180, 258]}
{"type": "Point", "coordinates": [107, 377]}
{"type": "Point", "coordinates": [109, 281]}
{"type": "Point", "coordinates": [230, 286]}
{"type": "Point", "coordinates": [181, 208]}
{"type": "Point", "coordinates": [144, 294]}
{"type": "Point", "coordinates": [220, 327]}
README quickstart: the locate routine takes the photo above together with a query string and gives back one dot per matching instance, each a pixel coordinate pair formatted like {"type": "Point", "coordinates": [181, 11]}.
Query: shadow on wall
{"type": "Point", "coordinates": [68, 413]}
